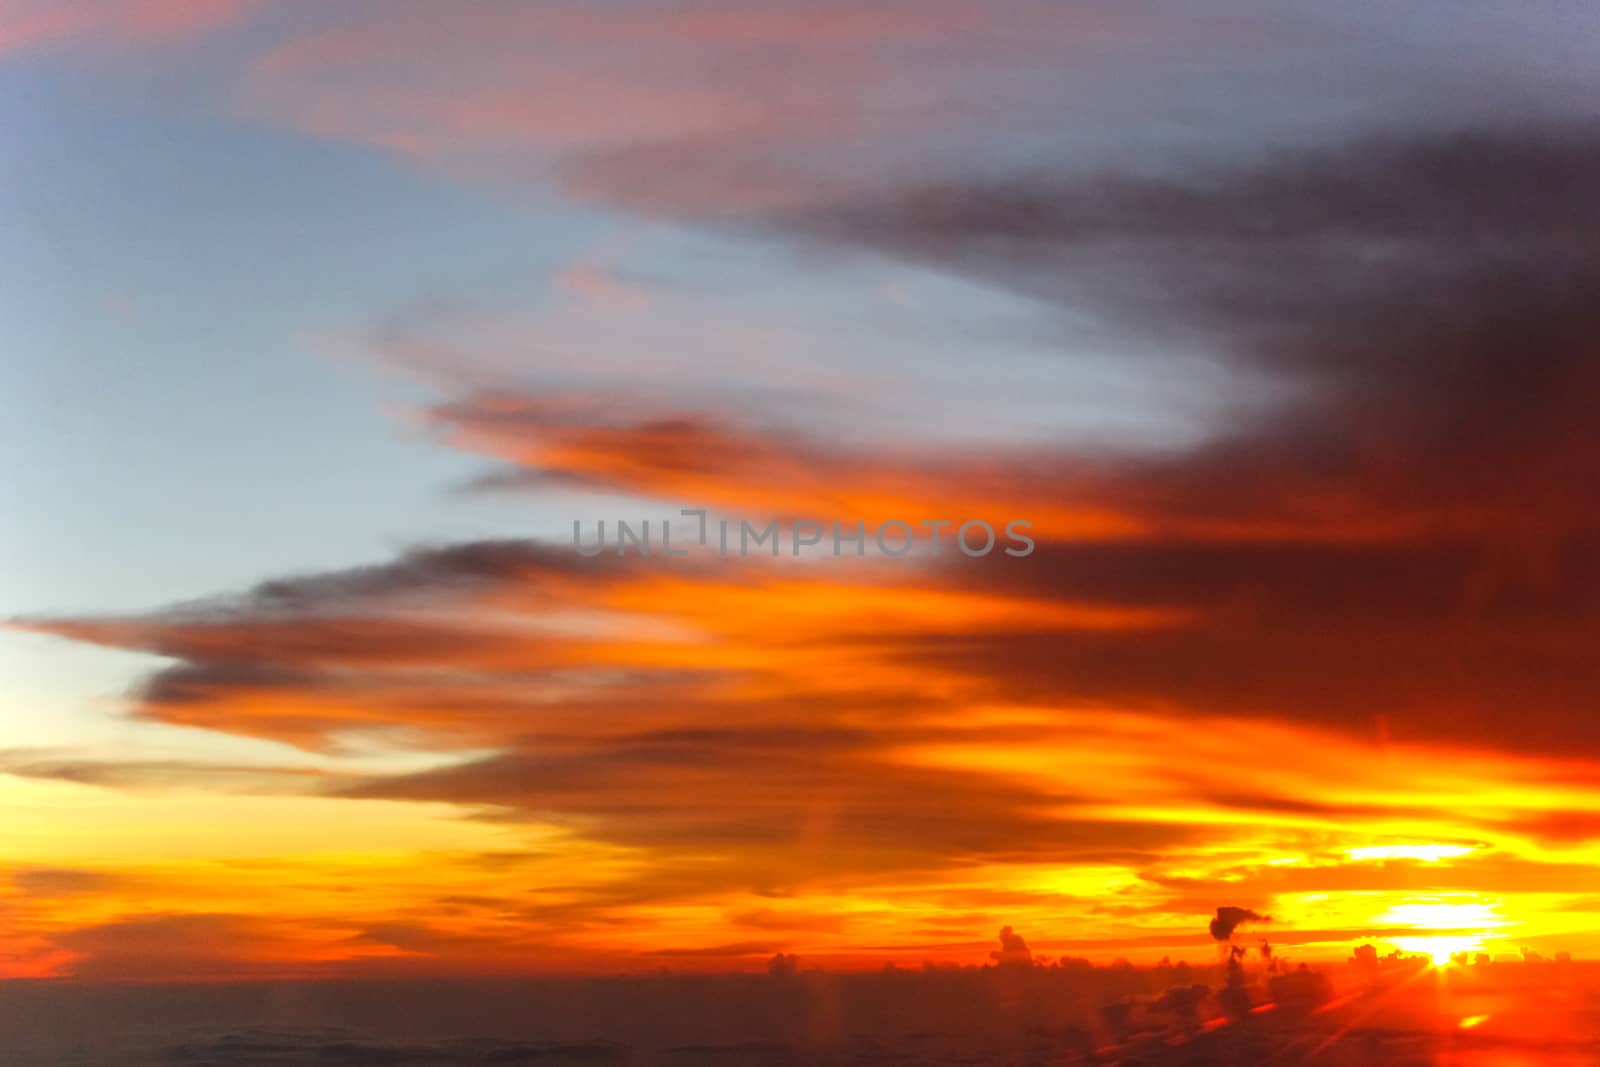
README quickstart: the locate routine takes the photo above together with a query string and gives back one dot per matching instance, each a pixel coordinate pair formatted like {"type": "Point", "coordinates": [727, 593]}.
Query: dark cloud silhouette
{"type": "Point", "coordinates": [391, 645]}
{"type": "Point", "coordinates": [1422, 298]}
{"type": "Point", "coordinates": [1013, 950]}
{"type": "Point", "coordinates": [733, 949]}
{"type": "Point", "coordinates": [702, 789]}
{"type": "Point", "coordinates": [426, 570]}
{"type": "Point", "coordinates": [1417, 302]}
{"type": "Point", "coordinates": [1229, 918]}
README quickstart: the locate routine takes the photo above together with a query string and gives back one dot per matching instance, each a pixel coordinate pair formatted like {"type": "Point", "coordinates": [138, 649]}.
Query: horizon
{"type": "Point", "coordinates": [1402, 1010]}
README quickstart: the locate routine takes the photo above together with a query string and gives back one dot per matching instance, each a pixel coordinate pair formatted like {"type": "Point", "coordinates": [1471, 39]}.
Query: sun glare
{"type": "Point", "coordinates": [1462, 927]}
{"type": "Point", "coordinates": [1440, 949]}
{"type": "Point", "coordinates": [1425, 853]}
{"type": "Point", "coordinates": [1455, 917]}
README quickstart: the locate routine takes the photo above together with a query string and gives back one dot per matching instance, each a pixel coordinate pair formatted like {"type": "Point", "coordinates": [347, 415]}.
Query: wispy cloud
{"type": "Point", "coordinates": [26, 24]}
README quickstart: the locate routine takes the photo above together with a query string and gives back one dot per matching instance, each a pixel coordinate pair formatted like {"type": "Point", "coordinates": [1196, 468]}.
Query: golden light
{"type": "Point", "coordinates": [1463, 927]}
{"type": "Point", "coordinates": [1440, 949]}
{"type": "Point", "coordinates": [1425, 853]}
{"type": "Point", "coordinates": [1433, 915]}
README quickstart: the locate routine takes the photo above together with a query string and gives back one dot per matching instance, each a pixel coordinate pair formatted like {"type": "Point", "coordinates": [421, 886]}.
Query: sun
{"type": "Point", "coordinates": [1441, 948]}
{"type": "Point", "coordinates": [1462, 927]}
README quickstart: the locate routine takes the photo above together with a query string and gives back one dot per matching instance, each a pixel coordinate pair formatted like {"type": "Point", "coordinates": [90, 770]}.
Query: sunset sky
{"type": "Point", "coordinates": [321, 324]}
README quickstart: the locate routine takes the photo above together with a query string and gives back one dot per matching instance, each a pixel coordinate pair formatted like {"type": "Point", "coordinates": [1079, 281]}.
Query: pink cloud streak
{"type": "Point", "coordinates": [26, 24]}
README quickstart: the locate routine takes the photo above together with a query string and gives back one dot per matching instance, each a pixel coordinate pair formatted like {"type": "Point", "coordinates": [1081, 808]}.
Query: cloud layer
{"type": "Point", "coordinates": [1357, 615]}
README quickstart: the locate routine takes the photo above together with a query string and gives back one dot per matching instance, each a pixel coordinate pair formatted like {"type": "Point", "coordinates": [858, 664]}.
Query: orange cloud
{"type": "Point", "coordinates": [727, 734]}
{"type": "Point", "coordinates": [699, 460]}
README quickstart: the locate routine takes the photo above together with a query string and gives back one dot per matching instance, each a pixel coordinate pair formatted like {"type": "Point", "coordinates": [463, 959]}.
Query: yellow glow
{"type": "Point", "coordinates": [1443, 916]}
{"type": "Point", "coordinates": [1425, 853]}
{"type": "Point", "coordinates": [1440, 949]}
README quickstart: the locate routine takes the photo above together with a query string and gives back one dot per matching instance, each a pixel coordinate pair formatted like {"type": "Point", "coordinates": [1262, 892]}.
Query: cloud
{"type": "Point", "coordinates": [50, 882]}
{"type": "Point", "coordinates": [602, 445]}
{"type": "Point", "coordinates": [1420, 294]}
{"type": "Point", "coordinates": [786, 920]}
{"type": "Point", "coordinates": [708, 110]}
{"type": "Point", "coordinates": [1230, 918]}
{"type": "Point", "coordinates": [157, 774]}
{"type": "Point", "coordinates": [26, 24]}
{"type": "Point", "coordinates": [779, 805]}
{"type": "Point", "coordinates": [717, 113]}
{"type": "Point", "coordinates": [189, 947]}
{"type": "Point", "coordinates": [744, 728]}
{"type": "Point", "coordinates": [1198, 589]}
{"type": "Point", "coordinates": [734, 949]}
{"type": "Point", "coordinates": [1416, 298]}
{"type": "Point", "coordinates": [1560, 827]}
{"type": "Point", "coordinates": [295, 658]}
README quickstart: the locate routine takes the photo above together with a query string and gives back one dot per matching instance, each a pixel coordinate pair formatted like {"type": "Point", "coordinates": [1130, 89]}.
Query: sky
{"type": "Point", "coordinates": [321, 326]}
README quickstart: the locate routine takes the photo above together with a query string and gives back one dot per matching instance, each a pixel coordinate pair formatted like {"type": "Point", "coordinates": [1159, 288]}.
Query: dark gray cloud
{"type": "Point", "coordinates": [1410, 534]}
{"type": "Point", "coordinates": [1229, 918]}
{"type": "Point", "coordinates": [1424, 300]}
{"type": "Point", "coordinates": [771, 794]}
